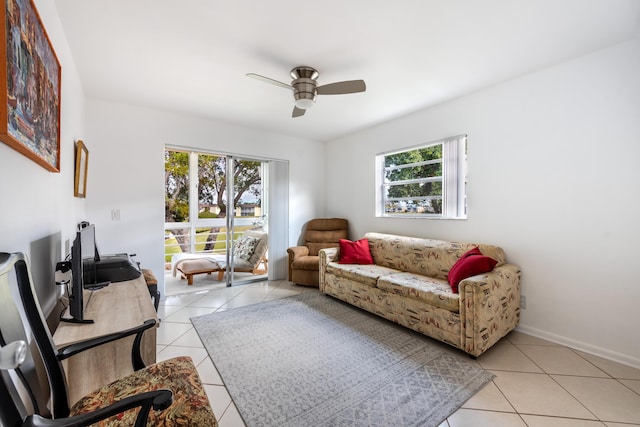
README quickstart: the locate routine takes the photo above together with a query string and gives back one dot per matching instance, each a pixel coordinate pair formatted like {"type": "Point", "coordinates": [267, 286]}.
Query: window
{"type": "Point", "coordinates": [424, 181]}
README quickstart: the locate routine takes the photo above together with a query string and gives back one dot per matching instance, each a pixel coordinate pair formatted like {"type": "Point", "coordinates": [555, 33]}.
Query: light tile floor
{"type": "Point", "coordinates": [537, 383]}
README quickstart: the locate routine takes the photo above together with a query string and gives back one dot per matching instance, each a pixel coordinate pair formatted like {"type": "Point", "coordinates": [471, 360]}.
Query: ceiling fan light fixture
{"type": "Point", "coordinates": [304, 92]}
{"type": "Point", "coordinates": [304, 103]}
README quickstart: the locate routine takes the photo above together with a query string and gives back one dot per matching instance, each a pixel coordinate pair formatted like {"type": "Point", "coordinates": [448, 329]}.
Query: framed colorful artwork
{"type": "Point", "coordinates": [29, 86]}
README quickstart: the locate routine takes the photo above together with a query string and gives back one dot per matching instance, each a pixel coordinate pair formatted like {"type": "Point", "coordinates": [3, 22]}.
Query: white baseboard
{"type": "Point", "coordinates": [581, 346]}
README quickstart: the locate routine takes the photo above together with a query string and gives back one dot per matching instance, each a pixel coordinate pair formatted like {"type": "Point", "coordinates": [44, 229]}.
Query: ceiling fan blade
{"type": "Point", "coordinates": [297, 112]}
{"type": "Point", "coordinates": [339, 88]}
{"type": "Point", "coordinates": [268, 80]}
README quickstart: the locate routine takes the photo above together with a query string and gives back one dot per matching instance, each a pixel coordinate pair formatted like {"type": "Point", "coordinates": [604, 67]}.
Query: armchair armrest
{"type": "Point", "coordinates": [326, 256]}
{"type": "Point", "coordinates": [296, 252]}
{"type": "Point", "coordinates": [136, 355]}
{"type": "Point", "coordinates": [157, 399]}
{"type": "Point", "coordinates": [489, 307]}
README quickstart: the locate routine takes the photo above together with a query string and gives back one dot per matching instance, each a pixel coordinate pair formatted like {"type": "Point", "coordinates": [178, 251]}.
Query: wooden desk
{"type": "Point", "coordinates": [117, 307]}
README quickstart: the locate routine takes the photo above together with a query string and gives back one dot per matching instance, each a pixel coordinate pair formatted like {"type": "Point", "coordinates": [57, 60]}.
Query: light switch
{"type": "Point", "coordinates": [115, 214]}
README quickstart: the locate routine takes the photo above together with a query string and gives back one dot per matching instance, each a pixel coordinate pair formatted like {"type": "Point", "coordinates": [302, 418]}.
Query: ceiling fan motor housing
{"type": "Point", "coordinates": [304, 86]}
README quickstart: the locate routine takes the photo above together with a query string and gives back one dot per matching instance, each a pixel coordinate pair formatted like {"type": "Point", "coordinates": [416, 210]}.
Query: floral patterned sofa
{"type": "Point", "coordinates": [407, 284]}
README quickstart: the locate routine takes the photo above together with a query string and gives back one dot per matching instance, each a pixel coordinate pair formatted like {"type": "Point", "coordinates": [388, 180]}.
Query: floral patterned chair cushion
{"type": "Point", "coordinates": [190, 405]}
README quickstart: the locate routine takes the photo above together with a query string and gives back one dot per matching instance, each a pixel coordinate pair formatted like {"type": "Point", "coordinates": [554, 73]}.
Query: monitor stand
{"type": "Point", "coordinates": [74, 320]}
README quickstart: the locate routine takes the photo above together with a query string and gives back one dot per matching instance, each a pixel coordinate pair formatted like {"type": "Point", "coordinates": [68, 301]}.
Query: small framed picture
{"type": "Point", "coordinates": [82, 165]}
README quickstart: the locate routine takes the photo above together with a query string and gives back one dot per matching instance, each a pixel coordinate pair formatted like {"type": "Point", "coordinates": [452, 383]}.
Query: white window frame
{"type": "Point", "coordinates": [454, 180]}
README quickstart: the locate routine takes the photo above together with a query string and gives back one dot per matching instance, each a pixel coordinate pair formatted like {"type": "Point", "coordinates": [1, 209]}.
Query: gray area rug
{"type": "Point", "coordinates": [310, 360]}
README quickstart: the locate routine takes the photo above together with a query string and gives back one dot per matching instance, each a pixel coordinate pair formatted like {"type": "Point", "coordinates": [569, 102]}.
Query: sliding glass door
{"type": "Point", "coordinates": [216, 208]}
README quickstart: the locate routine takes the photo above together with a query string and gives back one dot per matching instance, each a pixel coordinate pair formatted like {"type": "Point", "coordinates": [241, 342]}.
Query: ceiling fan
{"type": "Point", "coordinates": [305, 87]}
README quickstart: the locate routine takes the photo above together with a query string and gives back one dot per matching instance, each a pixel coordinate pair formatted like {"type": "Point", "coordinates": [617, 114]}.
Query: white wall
{"type": "Point", "coordinates": [553, 179]}
{"type": "Point", "coordinates": [126, 172]}
{"type": "Point", "coordinates": [38, 212]}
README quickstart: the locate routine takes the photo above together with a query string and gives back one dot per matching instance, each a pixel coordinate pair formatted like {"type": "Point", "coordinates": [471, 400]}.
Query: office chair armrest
{"type": "Point", "coordinates": [136, 356]}
{"type": "Point", "coordinates": [157, 399]}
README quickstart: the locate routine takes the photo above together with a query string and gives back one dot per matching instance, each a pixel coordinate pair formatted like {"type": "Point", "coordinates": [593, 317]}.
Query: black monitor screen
{"type": "Point", "coordinates": [83, 249]}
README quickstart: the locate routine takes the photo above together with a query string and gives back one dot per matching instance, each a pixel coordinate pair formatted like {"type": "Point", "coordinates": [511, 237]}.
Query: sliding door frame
{"type": "Point", "coordinates": [275, 205]}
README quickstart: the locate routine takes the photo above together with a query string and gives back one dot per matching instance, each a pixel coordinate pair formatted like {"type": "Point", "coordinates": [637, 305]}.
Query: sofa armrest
{"type": "Point", "coordinates": [489, 307]}
{"type": "Point", "coordinates": [326, 256]}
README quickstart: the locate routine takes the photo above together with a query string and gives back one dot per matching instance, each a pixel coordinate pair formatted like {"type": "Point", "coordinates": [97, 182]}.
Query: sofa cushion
{"type": "Point", "coordinates": [435, 292]}
{"type": "Point", "coordinates": [431, 258]}
{"type": "Point", "coordinates": [470, 264]}
{"type": "Point", "coordinates": [355, 252]}
{"type": "Point", "coordinates": [366, 274]}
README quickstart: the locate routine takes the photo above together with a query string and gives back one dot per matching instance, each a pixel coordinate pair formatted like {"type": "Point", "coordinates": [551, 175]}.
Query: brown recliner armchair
{"type": "Point", "coordinates": [319, 234]}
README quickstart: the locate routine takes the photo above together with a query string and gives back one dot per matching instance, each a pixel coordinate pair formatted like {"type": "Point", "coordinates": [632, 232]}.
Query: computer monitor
{"type": "Point", "coordinates": [83, 237]}
{"type": "Point", "coordinates": [90, 257]}
{"type": "Point", "coordinates": [88, 242]}
{"type": "Point", "coordinates": [84, 256]}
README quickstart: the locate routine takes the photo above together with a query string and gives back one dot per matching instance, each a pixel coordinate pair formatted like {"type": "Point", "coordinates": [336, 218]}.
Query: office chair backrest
{"type": "Point", "coordinates": [40, 378]}
{"type": "Point", "coordinates": [10, 413]}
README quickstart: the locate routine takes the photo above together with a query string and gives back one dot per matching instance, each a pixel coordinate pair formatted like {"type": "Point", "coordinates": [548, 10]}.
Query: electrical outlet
{"type": "Point", "coordinates": [523, 302]}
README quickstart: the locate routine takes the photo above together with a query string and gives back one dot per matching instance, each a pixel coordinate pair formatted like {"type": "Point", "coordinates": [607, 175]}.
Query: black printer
{"type": "Point", "coordinates": [109, 268]}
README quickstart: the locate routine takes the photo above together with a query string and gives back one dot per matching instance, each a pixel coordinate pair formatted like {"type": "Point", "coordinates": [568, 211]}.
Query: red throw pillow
{"type": "Point", "coordinates": [469, 264]}
{"type": "Point", "coordinates": [355, 252]}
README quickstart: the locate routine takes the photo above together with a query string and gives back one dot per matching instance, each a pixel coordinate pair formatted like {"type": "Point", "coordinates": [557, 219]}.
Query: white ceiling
{"type": "Point", "coordinates": [191, 56]}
